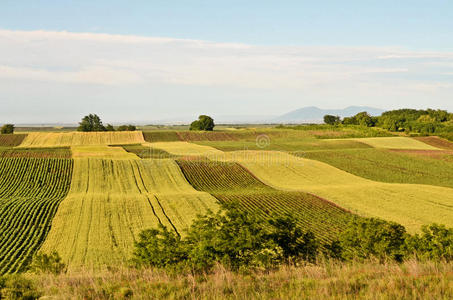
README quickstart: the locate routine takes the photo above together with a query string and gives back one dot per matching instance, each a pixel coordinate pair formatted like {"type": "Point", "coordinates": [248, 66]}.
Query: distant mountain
{"type": "Point", "coordinates": [314, 114]}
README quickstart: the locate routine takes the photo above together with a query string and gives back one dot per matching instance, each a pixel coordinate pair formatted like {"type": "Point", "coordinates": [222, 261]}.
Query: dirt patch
{"type": "Point", "coordinates": [436, 142]}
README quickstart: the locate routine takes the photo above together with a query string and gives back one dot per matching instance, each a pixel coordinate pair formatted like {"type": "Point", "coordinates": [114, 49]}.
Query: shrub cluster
{"type": "Point", "coordinates": [233, 237]}
{"type": "Point", "coordinates": [240, 240]}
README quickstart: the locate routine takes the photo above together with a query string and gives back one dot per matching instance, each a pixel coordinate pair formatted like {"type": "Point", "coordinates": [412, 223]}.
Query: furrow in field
{"type": "Point", "coordinates": [30, 192]}
{"type": "Point", "coordinates": [112, 201]}
{"type": "Point", "coordinates": [412, 205]}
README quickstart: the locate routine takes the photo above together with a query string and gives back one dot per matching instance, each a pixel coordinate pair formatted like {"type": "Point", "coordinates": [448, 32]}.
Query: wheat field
{"type": "Point", "coordinates": [64, 139]}
{"type": "Point", "coordinates": [111, 201]}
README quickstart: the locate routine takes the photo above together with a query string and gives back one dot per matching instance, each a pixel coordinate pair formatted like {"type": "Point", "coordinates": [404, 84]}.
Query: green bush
{"type": "Point", "coordinates": [92, 122]}
{"type": "Point", "coordinates": [435, 243]}
{"type": "Point", "coordinates": [48, 263]}
{"type": "Point", "coordinates": [233, 237]}
{"type": "Point", "coordinates": [373, 238]}
{"type": "Point", "coordinates": [16, 287]}
{"type": "Point", "coordinates": [127, 128]}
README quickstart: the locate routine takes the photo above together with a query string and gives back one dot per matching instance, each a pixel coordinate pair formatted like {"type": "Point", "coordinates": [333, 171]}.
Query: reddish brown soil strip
{"type": "Point", "coordinates": [436, 142]}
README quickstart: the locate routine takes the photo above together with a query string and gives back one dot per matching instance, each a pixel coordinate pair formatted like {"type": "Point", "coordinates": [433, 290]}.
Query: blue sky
{"type": "Point", "coordinates": [155, 60]}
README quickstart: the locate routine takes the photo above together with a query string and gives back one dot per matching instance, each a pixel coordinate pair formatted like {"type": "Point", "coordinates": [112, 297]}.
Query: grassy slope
{"type": "Point", "coordinates": [410, 205]}
{"type": "Point", "coordinates": [146, 151]}
{"type": "Point", "coordinates": [389, 166]}
{"type": "Point", "coordinates": [231, 182]}
{"type": "Point", "coordinates": [46, 139]}
{"type": "Point", "coordinates": [184, 148]}
{"type": "Point", "coordinates": [30, 192]}
{"type": "Point", "coordinates": [111, 201]}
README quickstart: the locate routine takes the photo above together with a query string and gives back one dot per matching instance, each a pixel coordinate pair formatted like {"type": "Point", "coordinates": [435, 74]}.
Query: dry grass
{"type": "Point", "coordinates": [184, 148]}
{"type": "Point", "coordinates": [327, 280]}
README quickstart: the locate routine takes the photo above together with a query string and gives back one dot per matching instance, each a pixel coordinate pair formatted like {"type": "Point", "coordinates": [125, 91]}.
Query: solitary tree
{"type": "Point", "coordinates": [7, 129]}
{"type": "Point", "coordinates": [331, 120]}
{"type": "Point", "coordinates": [204, 122]}
{"type": "Point", "coordinates": [92, 122]}
{"type": "Point", "coordinates": [109, 127]}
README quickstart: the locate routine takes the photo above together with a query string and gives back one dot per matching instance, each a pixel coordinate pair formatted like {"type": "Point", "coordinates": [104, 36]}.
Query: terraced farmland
{"type": "Point", "coordinates": [185, 148]}
{"type": "Point", "coordinates": [396, 143]}
{"type": "Point", "coordinates": [65, 139]}
{"type": "Point", "coordinates": [30, 192]}
{"type": "Point", "coordinates": [11, 140]}
{"type": "Point", "coordinates": [412, 205]}
{"type": "Point", "coordinates": [231, 182]}
{"type": "Point", "coordinates": [161, 136]}
{"type": "Point", "coordinates": [111, 201]}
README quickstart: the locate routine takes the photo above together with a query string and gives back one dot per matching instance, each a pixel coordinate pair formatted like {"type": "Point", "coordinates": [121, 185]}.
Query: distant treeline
{"type": "Point", "coordinates": [422, 122]}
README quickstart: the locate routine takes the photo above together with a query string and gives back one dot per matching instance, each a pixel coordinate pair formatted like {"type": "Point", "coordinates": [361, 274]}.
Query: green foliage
{"type": "Point", "coordinates": [435, 243]}
{"type": "Point", "coordinates": [16, 287]}
{"type": "Point", "coordinates": [109, 127]}
{"type": "Point", "coordinates": [48, 263]}
{"type": "Point", "coordinates": [92, 122]}
{"type": "Point", "coordinates": [233, 237]}
{"type": "Point", "coordinates": [331, 120]}
{"type": "Point", "coordinates": [127, 128]}
{"type": "Point", "coordinates": [204, 122]}
{"type": "Point", "coordinates": [7, 129]}
{"type": "Point", "coordinates": [367, 238]}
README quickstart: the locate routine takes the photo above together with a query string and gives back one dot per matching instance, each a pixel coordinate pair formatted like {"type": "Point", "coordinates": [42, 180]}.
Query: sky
{"type": "Point", "coordinates": [151, 61]}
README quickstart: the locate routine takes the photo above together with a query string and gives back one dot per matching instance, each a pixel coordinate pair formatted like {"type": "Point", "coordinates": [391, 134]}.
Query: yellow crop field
{"type": "Point", "coordinates": [111, 201]}
{"type": "Point", "coordinates": [63, 139]}
{"type": "Point", "coordinates": [185, 148]}
{"type": "Point", "coordinates": [398, 142]}
{"type": "Point", "coordinates": [102, 152]}
{"type": "Point", "coordinates": [412, 205]}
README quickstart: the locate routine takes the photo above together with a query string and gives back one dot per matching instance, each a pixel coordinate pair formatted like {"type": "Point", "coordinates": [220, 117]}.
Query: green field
{"type": "Point", "coordinates": [111, 201]}
{"type": "Point", "coordinates": [30, 191]}
{"type": "Point", "coordinates": [88, 196]}
{"type": "Point", "coordinates": [230, 182]}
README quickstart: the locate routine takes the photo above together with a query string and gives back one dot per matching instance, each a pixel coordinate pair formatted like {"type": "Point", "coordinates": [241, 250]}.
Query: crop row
{"type": "Point", "coordinates": [231, 182]}
{"type": "Point", "coordinates": [11, 140]}
{"type": "Point", "coordinates": [147, 151]}
{"type": "Point", "coordinates": [61, 152]}
{"type": "Point", "coordinates": [30, 192]}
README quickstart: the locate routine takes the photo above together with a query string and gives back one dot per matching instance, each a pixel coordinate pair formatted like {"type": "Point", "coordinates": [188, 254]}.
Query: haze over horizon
{"type": "Point", "coordinates": [156, 60]}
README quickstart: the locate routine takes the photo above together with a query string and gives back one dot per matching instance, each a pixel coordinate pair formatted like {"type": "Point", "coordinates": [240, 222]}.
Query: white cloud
{"type": "Point", "coordinates": [160, 66]}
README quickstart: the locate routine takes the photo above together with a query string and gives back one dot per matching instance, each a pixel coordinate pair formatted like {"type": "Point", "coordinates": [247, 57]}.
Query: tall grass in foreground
{"type": "Point", "coordinates": [326, 280]}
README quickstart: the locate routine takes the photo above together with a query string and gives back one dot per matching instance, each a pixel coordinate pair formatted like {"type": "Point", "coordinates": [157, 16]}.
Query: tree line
{"type": "Point", "coordinates": [92, 122]}
{"type": "Point", "coordinates": [425, 122]}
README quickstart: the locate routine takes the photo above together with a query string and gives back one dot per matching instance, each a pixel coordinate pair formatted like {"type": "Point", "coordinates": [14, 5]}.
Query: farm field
{"type": "Point", "coordinates": [184, 148]}
{"type": "Point", "coordinates": [147, 151]}
{"type": "Point", "coordinates": [415, 166]}
{"type": "Point", "coordinates": [396, 143]}
{"type": "Point", "coordinates": [109, 152]}
{"type": "Point", "coordinates": [60, 152]}
{"type": "Point", "coordinates": [111, 201]}
{"type": "Point", "coordinates": [411, 205]}
{"type": "Point", "coordinates": [11, 140]}
{"type": "Point", "coordinates": [230, 182]}
{"type": "Point", "coordinates": [30, 191]}
{"type": "Point", "coordinates": [65, 139]}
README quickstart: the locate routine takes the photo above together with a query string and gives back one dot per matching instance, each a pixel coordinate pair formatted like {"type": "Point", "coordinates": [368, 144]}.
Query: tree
{"type": "Point", "coordinates": [435, 242]}
{"type": "Point", "coordinates": [127, 128]}
{"type": "Point", "coordinates": [7, 129]}
{"type": "Point", "coordinates": [204, 122]}
{"type": "Point", "coordinates": [44, 263]}
{"type": "Point", "coordinates": [364, 119]}
{"type": "Point", "coordinates": [331, 120]}
{"type": "Point", "coordinates": [109, 127]}
{"type": "Point", "coordinates": [92, 122]}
